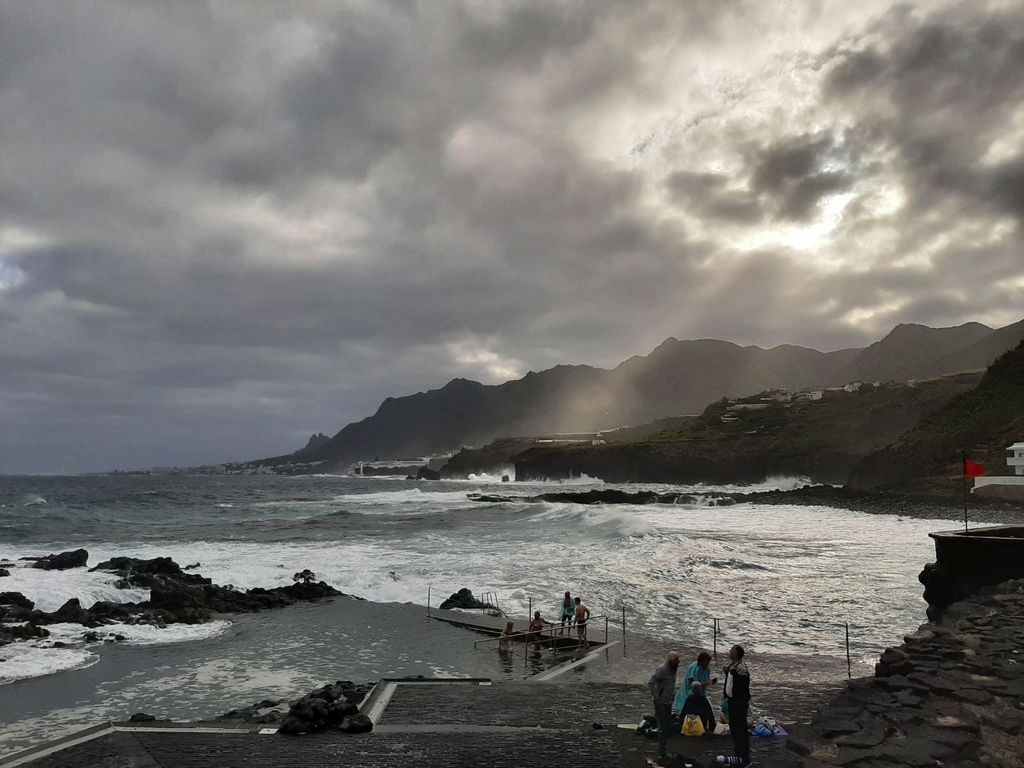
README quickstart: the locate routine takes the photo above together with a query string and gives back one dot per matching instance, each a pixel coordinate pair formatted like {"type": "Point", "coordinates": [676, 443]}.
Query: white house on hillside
{"type": "Point", "coordinates": [1015, 463]}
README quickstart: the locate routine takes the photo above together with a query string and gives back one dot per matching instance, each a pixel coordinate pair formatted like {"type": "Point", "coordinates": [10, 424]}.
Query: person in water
{"type": "Point", "coordinates": [537, 626]}
{"type": "Point", "coordinates": [697, 704]}
{"type": "Point", "coordinates": [582, 614]}
{"type": "Point", "coordinates": [698, 672]}
{"type": "Point", "coordinates": [737, 696]}
{"type": "Point", "coordinates": [662, 685]}
{"type": "Point", "coordinates": [568, 612]}
{"type": "Point", "coordinates": [505, 639]}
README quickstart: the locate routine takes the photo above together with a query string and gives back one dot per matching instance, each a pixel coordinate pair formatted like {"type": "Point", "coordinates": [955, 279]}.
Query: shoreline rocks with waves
{"type": "Point", "coordinates": [924, 507]}
{"type": "Point", "coordinates": [174, 597]}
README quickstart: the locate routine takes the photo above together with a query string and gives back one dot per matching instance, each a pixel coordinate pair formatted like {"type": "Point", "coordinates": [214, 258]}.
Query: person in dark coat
{"type": "Point", "coordinates": [737, 694]}
{"type": "Point", "coordinates": [697, 704]}
{"type": "Point", "coordinates": [662, 686]}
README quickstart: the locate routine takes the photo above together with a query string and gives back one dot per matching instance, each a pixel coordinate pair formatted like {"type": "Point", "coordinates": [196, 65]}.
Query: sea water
{"type": "Point", "coordinates": [779, 578]}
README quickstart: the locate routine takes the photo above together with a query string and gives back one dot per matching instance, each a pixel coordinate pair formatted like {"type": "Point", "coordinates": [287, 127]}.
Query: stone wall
{"type": "Point", "coordinates": [966, 562]}
{"type": "Point", "coordinates": [952, 694]}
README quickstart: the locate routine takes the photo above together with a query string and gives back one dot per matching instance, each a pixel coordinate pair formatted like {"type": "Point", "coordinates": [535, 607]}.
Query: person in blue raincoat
{"type": "Point", "coordinates": [698, 672]}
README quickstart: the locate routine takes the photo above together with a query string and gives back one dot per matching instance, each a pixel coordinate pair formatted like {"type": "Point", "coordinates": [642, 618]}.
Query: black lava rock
{"type": "Point", "coordinates": [464, 599]}
{"type": "Point", "coordinates": [16, 599]}
{"type": "Point", "coordinates": [74, 559]}
{"type": "Point", "coordinates": [332, 706]}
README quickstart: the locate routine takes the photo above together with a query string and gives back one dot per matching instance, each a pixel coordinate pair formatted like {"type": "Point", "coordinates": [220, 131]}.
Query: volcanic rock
{"type": "Point", "coordinates": [464, 599]}
{"type": "Point", "coordinates": [16, 599]}
{"type": "Point", "coordinates": [71, 612]}
{"type": "Point", "coordinates": [357, 724]}
{"type": "Point", "coordinates": [146, 574]}
{"type": "Point", "coordinates": [10, 633]}
{"type": "Point", "coordinates": [74, 559]}
{"type": "Point", "coordinates": [426, 473]}
{"type": "Point", "coordinates": [332, 706]}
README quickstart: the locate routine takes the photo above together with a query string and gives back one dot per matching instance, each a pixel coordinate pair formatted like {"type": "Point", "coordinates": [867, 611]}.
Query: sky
{"type": "Point", "coordinates": [226, 225]}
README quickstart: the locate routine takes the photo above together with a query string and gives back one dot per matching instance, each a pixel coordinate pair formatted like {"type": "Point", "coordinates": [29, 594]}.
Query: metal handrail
{"type": "Point", "coordinates": [552, 628]}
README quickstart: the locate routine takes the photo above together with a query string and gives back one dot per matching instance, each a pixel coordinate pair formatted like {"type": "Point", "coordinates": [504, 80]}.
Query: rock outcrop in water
{"type": "Point", "coordinates": [465, 600]}
{"type": "Point", "coordinates": [175, 597]}
{"type": "Point", "coordinates": [61, 562]}
{"type": "Point", "coordinates": [15, 608]}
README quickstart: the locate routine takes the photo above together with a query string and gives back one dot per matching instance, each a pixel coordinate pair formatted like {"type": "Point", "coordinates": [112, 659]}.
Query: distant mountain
{"type": "Point", "coordinates": [916, 351]}
{"type": "Point", "coordinates": [676, 378]}
{"type": "Point", "coordinates": [983, 352]}
{"type": "Point", "coordinates": [980, 422]}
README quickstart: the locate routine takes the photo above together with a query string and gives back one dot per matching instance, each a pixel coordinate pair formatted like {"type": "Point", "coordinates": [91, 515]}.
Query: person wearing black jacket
{"type": "Point", "coordinates": [697, 704]}
{"type": "Point", "coordinates": [737, 694]}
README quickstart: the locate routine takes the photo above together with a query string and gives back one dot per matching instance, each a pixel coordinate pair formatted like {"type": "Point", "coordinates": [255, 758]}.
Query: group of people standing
{"type": "Point", "coordinates": [574, 612]}
{"type": "Point", "coordinates": [692, 699]}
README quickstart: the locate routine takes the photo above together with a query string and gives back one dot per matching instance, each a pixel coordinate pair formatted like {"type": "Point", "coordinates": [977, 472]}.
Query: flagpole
{"type": "Point", "coordinates": [963, 471]}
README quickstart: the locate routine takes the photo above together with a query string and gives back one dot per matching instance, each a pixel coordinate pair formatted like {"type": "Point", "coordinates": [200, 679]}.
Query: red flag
{"type": "Point", "coordinates": [973, 468]}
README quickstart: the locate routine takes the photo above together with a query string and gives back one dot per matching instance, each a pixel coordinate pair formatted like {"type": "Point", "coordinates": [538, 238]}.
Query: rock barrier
{"type": "Point", "coordinates": [952, 694]}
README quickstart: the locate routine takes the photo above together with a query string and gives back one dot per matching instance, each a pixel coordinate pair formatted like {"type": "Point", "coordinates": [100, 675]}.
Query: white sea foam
{"type": "Point", "coordinates": [491, 479]}
{"type": "Point", "coordinates": [407, 496]}
{"type": "Point", "coordinates": [782, 573]}
{"type": "Point", "coordinates": [51, 589]}
{"type": "Point", "coordinates": [140, 634]}
{"type": "Point", "coordinates": [33, 500]}
{"type": "Point", "coordinates": [32, 659]}
{"type": "Point", "coordinates": [780, 483]}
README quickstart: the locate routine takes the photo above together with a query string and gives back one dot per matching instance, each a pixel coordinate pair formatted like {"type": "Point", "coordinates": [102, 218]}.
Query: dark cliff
{"type": "Point", "coordinates": [980, 422]}
{"type": "Point", "coordinates": [676, 378]}
{"type": "Point", "coordinates": [821, 440]}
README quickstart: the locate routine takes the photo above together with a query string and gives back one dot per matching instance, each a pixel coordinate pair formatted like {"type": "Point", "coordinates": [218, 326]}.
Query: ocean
{"type": "Point", "coordinates": [780, 579]}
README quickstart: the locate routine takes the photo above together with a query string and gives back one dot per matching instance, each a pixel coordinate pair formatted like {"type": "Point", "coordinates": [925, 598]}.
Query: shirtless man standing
{"type": "Point", "coordinates": [582, 614]}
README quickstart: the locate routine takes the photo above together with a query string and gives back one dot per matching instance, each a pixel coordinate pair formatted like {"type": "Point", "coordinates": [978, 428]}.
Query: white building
{"type": "Point", "coordinates": [1016, 458]}
{"type": "Point", "coordinates": [1015, 463]}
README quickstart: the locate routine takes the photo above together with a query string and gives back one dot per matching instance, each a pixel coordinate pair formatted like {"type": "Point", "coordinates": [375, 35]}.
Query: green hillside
{"type": "Point", "coordinates": [749, 439]}
{"type": "Point", "coordinates": [981, 421]}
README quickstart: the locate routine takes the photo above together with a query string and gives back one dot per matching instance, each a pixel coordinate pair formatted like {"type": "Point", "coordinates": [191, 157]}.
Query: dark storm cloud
{"type": "Point", "coordinates": [223, 226]}
{"type": "Point", "coordinates": [709, 195]}
{"type": "Point", "coordinates": [795, 174]}
{"type": "Point", "coordinates": [941, 91]}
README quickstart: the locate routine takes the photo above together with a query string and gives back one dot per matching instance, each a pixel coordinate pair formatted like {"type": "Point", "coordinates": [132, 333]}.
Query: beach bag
{"type": "Point", "coordinates": [692, 726]}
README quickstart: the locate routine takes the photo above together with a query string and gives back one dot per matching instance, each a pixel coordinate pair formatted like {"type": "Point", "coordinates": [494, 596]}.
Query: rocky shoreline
{"type": "Point", "coordinates": [923, 507]}
{"type": "Point", "coordinates": [952, 694]}
{"type": "Point", "coordinates": [175, 596]}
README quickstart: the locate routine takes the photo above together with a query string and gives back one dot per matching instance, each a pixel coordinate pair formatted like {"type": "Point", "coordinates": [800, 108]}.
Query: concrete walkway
{"type": "Point", "coordinates": [443, 724]}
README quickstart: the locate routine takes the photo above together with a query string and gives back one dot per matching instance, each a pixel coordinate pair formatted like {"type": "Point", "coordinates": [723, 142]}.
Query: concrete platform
{"type": "Point", "coordinates": [424, 724]}
{"type": "Point", "coordinates": [494, 625]}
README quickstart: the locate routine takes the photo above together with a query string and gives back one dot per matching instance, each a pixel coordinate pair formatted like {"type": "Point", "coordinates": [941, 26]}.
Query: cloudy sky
{"type": "Point", "coordinates": [226, 225]}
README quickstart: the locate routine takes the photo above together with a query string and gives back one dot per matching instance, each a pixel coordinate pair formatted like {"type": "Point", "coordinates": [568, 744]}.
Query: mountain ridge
{"type": "Point", "coordinates": [677, 377]}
